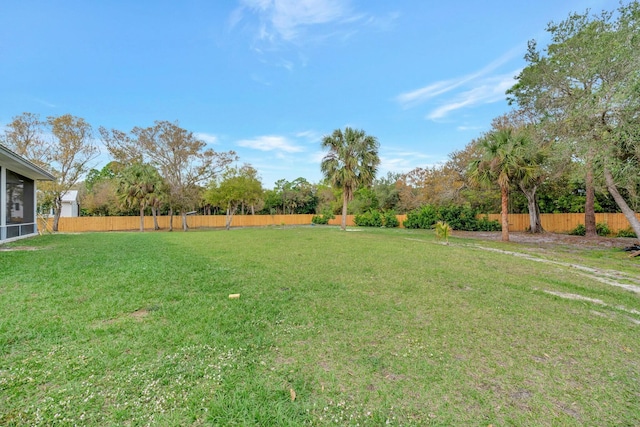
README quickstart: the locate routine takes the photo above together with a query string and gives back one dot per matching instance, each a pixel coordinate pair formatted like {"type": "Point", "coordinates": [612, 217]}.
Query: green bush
{"type": "Point", "coordinates": [323, 219]}
{"type": "Point", "coordinates": [390, 219]}
{"type": "Point", "coordinates": [580, 230]}
{"type": "Point", "coordinates": [372, 218]}
{"type": "Point", "coordinates": [457, 217]}
{"type": "Point", "coordinates": [602, 229]}
{"type": "Point", "coordinates": [627, 232]}
{"type": "Point", "coordinates": [484, 224]}
{"type": "Point", "coordinates": [375, 218]}
{"type": "Point", "coordinates": [424, 217]}
{"type": "Point", "coordinates": [320, 220]}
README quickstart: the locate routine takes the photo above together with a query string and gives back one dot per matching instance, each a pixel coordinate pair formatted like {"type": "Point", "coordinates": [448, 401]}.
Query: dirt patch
{"type": "Point", "coordinates": [549, 240]}
{"type": "Point", "coordinates": [575, 297]}
{"type": "Point", "coordinates": [140, 314]}
{"type": "Point", "coordinates": [393, 377]}
{"type": "Point", "coordinates": [18, 248]}
{"type": "Point", "coordinates": [608, 277]}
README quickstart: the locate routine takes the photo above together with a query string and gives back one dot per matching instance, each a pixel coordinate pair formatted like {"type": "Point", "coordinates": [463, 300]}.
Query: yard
{"type": "Point", "coordinates": [371, 327]}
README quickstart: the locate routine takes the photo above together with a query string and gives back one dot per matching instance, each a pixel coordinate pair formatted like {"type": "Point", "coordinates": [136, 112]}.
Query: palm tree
{"type": "Point", "coordinates": [503, 162]}
{"type": "Point", "coordinates": [136, 186]}
{"type": "Point", "coordinates": [352, 161]}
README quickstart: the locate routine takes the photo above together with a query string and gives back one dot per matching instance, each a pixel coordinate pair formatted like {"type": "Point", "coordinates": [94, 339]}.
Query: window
{"type": "Point", "coordinates": [19, 204]}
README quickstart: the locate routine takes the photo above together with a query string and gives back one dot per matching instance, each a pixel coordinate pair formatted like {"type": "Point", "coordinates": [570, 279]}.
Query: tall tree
{"type": "Point", "coordinates": [184, 162]}
{"type": "Point", "coordinates": [100, 196]}
{"type": "Point", "coordinates": [535, 153]}
{"type": "Point", "coordinates": [352, 161]}
{"type": "Point", "coordinates": [501, 163]}
{"type": "Point", "coordinates": [387, 192]}
{"type": "Point", "coordinates": [582, 86]}
{"type": "Point", "coordinates": [67, 154]}
{"type": "Point", "coordinates": [24, 136]}
{"type": "Point", "coordinates": [237, 187]}
{"type": "Point", "coordinates": [70, 155]}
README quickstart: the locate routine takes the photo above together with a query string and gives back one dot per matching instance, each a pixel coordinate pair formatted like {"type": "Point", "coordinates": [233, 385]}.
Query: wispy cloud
{"type": "Point", "coordinates": [206, 137]}
{"type": "Point", "coordinates": [259, 79]}
{"type": "Point", "coordinates": [45, 103]}
{"type": "Point", "coordinates": [302, 22]}
{"type": "Point", "coordinates": [286, 18]}
{"type": "Point", "coordinates": [466, 128]}
{"type": "Point", "coordinates": [270, 143]}
{"type": "Point", "coordinates": [418, 96]}
{"type": "Point", "coordinates": [486, 91]}
{"type": "Point", "coordinates": [479, 87]}
{"type": "Point", "coordinates": [309, 135]}
{"type": "Point", "coordinates": [401, 160]}
{"type": "Point", "coordinates": [398, 164]}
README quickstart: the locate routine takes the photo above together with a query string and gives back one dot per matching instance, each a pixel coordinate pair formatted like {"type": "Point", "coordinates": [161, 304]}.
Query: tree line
{"type": "Point", "coordinates": [570, 144]}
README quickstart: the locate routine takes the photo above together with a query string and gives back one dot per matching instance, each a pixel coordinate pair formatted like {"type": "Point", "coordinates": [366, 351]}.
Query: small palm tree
{"type": "Point", "coordinates": [502, 162]}
{"type": "Point", "coordinates": [136, 186]}
{"type": "Point", "coordinates": [352, 162]}
{"type": "Point", "coordinates": [443, 231]}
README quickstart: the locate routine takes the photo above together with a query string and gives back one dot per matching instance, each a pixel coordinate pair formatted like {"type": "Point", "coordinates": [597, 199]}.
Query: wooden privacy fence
{"type": "Point", "coordinates": [562, 223]}
{"type": "Point", "coordinates": [557, 223]}
{"type": "Point", "coordinates": [127, 223]}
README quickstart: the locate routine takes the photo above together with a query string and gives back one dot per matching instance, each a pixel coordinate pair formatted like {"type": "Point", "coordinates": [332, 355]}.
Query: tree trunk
{"type": "Point", "coordinates": [253, 211]}
{"type": "Point", "coordinates": [344, 210]}
{"type": "Point", "coordinates": [154, 211]}
{"type": "Point", "coordinates": [535, 226]}
{"type": "Point", "coordinates": [504, 213]}
{"type": "Point", "coordinates": [57, 212]}
{"type": "Point", "coordinates": [141, 217]}
{"type": "Point", "coordinates": [170, 219]}
{"type": "Point", "coordinates": [228, 218]}
{"type": "Point", "coordinates": [622, 204]}
{"type": "Point", "coordinates": [184, 220]}
{"type": "Point", "coordinates": [589, 206]}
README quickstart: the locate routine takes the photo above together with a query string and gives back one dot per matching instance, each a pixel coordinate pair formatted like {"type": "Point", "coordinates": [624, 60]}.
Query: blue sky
{"type": "Point", "coordinates": [269, 78]}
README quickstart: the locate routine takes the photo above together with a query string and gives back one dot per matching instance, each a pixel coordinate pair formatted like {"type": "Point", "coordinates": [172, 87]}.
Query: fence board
{"type": "Point", "coordinates": [563, 223]}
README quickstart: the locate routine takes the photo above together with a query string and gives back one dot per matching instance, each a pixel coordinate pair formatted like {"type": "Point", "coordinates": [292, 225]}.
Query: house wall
{"type": "Point", "coordinates": [3, 203]}
{"type": "Point", "coordinates": [69, 209]}
{"type": "Point", "coordinates": [17, 209]}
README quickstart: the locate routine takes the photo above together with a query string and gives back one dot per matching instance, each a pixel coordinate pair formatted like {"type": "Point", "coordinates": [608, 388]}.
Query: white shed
{"type": "Point", "coordinates": [70, 206]}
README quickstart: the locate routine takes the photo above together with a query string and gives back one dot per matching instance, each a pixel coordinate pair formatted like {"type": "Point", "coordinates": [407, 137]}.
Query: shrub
{"type": "Point", "coordinates": [323, 219]}
{"type": "Point", "coordinates": [602, 229]}
{"type": "Point", "coordinates": [372, 218]}
{"type": "Point", "coordinates": [627, 232]}
{"type": "Point", "coordinates": [457, 217]}
{"type": "Point", "coordinates": [375, 218]}
{"type": "Point", "coordinates": [320, 219]}
{"type": "Point", "coordinates": [484, 224]}
{"type": "Point", "coordinates": [580, 230]}
{"type": "Point", "coordinates": [390, 219]}
{"type": "Point", "coordinates": [425, 218]}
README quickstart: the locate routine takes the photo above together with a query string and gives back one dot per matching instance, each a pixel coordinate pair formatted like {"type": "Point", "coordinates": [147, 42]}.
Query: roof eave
{"type": "Point", "coordinates": [22, 166]}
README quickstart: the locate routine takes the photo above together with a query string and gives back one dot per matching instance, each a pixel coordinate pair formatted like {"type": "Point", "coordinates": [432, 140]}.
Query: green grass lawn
{"type": "Point", "coordinates": [364, 328]}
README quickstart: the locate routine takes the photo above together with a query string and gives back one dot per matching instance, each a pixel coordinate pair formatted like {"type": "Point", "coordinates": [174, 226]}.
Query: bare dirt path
{"type": "Point", "coordinates": [553, 241]}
